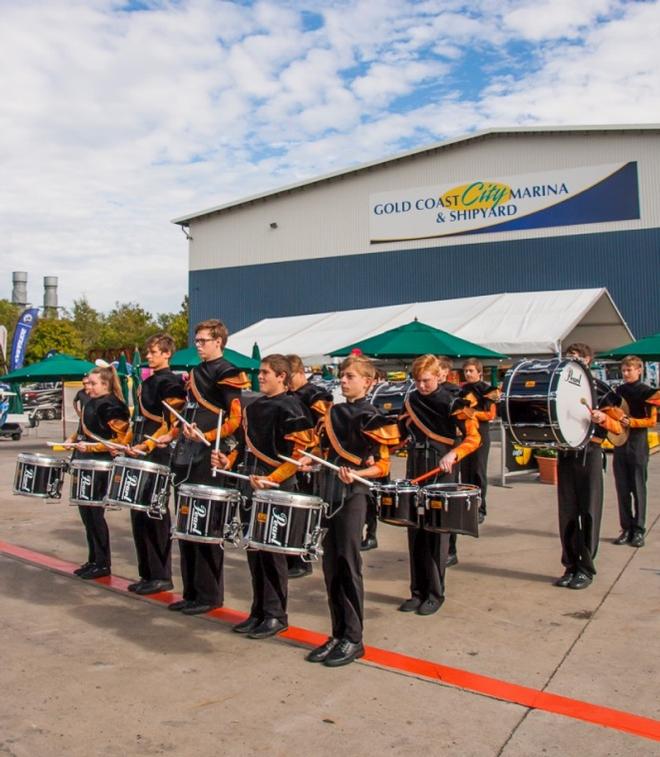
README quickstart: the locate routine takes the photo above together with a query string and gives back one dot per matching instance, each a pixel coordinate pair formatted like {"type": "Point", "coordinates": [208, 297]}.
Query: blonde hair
{"type": "Point", "coordinates": [363, 365]}
{"type": "Point", "coordinates": [110, 378]}
{"type": "Point", "coordinates": [296, 363]}
{"type": "Point", "coordinates": [429, 364]}
{"type": "Point", "coordinates": [632, 360]}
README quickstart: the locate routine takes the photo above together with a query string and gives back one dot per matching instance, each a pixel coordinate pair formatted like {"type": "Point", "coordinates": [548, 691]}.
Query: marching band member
{"type": "Point", "coordinates": [434, 418]}
{"type": "Point", "coordinates": [632, 458]}
{"type": "Point", "coordinates": [153, 544]}
{"type": "Point", "coordinates": [214, 385]}
{"type": "Point", "coordinates": [106, 415]}
{"type": "Point", "coordinates": [580, 487]}
{"type": "Point", "coordinates": [277, 423]}
{"type": "Point", "coordinates": [474, 467]}
{"type": "Point", "coordinates": [356, 436]}
{"type": "Point", "coordinates": [317, 400]}
{"type": "Point", "coordinates": [80, 399]}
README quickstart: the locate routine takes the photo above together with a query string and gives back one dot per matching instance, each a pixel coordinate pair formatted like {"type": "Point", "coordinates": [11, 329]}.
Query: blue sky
{"type": "Point", "coordinates": [117, 117]}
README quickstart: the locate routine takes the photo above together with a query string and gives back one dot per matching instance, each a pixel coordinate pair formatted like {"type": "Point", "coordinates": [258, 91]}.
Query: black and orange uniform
{"type": "Point", "coordinates": [580, 490]}
{"type": "Point", "coordinates": [153, 545]}
{"type": "Point", "coordinates": [317, 401]}
{"type": "Point", "coordinates": [434, 423]}
{"type": "Point", "coordinates": [108, 418]}
{"type": "Point", "coordinates": [631, 459]}
{"type": "Point", "coordinates": [356, 435]}
{"type": "Point", "coordinates": [272, 426]}
{"type": "Point", "coordinates": [213, 386]}
{"type": "Point", "coordinates": [474, 467]}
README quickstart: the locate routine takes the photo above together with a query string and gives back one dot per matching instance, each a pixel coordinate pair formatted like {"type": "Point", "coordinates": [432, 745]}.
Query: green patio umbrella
{"type": "Point", "coordinates": [183, 360]}
{"type": "Point", "coordinates": [123, 371]}
{"type": "Point", "coordinates": [136, 375]}
{"type": "Point", "coordinates": [256, 356]}
{"type": "Point", "coordinates": [55, 367]}
{"type": "Point", "coordinates": [647, 348]}
{"type": "Point", "coordinates": [417, 338]}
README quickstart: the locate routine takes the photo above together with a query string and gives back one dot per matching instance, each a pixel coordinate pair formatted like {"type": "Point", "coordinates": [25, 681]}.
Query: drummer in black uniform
{"type": "Point", "coordinates": [357, 437]}
{"type": "Point", "coordinates": [277, 423]}
{"type": "Point", "coordinates": [214, 386]}
{"type": "Point", "coordinates": [580, 486]}
{"type": "Point", "coordinates": [317, 400]}
{"type": "Point", "coordinates": [106, 415]}
{"type": "Point", "coordinates": [434, 417]}
{"type": "Point", "coordinates": [151, 535]}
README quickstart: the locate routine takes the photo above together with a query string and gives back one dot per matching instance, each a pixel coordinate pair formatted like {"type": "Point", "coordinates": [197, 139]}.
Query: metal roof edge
{"type": "Point", "coordinates": [482, 134]}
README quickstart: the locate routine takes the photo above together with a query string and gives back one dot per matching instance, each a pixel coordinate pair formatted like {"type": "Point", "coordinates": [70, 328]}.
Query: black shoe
{"type": "Point", "coordinates": [135, 586]}
{"type": "Point", "coordinates": [622, 538]}
{"type": "Point", "coordinates": [83, 568]}
{"type": "Point", "coordinates": [298, 571]}
{"type": "Point", "coordinates": [247, 625]}
{"type": "Point", "coordinates": [430, 605]}
{"type": "Point", "coordinates": [180, 605]}
{"type": "Point", "coordinates": [344, 652]}
{"type": "Point", "coordinates": [410, 605]}
{"type": "Point", "coordinates": [481, 517]}
{"type": "Point", "coordinates": [637, 539]}
{"type": "Point", "coordinates": [565, 580]}
{"type": "Point", "coordinates": [267, 627]}
{"type": "Point", "coordinates": [198, 608]}
{"type": "Point", "coordinates": [580, 580]}
{"type": "Point", "coordinates": [452, 559]}
{"type": "Point", "coordinates": [369, 543]}
{"type": "Point", "coordinates": [95, 571]}
{"type": "Point", "coordinates": [321, 653]}
{"type": "Point", "coordinates": [153, 587]}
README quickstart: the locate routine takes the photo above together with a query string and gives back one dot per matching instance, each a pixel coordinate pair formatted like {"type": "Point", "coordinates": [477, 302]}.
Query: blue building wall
{"type": "Point", "coordinates": [626, 262]}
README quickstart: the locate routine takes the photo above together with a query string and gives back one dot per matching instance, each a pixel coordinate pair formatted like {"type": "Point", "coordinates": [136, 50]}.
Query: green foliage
{"type": "Point", "coordinates": [53, 334]}
{"type": "Point", "coordinates": [176, 324]}
{"type": "Point", "coordinates": [8, 315]}
{"type": "Point", "coordinates": [546, 452]}
{"type": "Point", "coordinates": [126, 325]}
{"type": "Point", "coordinates": [88, 323]}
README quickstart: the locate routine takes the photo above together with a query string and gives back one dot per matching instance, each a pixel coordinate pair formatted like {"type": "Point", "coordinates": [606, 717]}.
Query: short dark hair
{"type": "Point", "coordinates": [582, 349]}
{"type": "Point", "coordinates": [163, 341]}
{"type": "Point", "coordinates": [296, 363]}
{"type": "Point", "coordinates": [216, 328]}
{"type": "Point", "coordinates": [278, 364]}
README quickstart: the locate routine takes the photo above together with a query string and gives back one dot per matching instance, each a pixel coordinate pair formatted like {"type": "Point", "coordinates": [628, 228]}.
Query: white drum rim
{"type": "Point", "coordinates": [287, 499]}
{"type": "Point", "coordinates": [141, 465]}
{"type": "Point", "coordinates": [400, 485]}
{"type": "Point", "coordinates": [451, 489]}
{"type": "Point", "coordinates": [37, 458]}
{"type": "Point", "coordinates": [99, 465]}
{"type": "Point", "coordinates": [204, 491]}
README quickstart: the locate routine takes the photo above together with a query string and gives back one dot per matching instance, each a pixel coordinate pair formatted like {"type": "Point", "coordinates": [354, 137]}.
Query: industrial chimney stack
{"type": "Point", "coordinates": [50, 293]}
{"type": "Point", "coordinates": [19, 289]}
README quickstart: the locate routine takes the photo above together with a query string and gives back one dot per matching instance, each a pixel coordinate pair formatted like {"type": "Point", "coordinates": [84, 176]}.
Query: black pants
{"type": "Point", "coordinates": [427, 551]}
{"type": "Point", "coordinates": [201, 564]}
{"type": "Point", "coordinates": [98, 536]}
{"type": "Point", "coordinates": [580, 504]}
{"type": "Point", "coordinates": [153, 545]}
{"type": "Point", "coordinates": [270, 583]}
{"type": "Point", "coordinates": [342, 567]}
{"type": "Point", "coordinates": [371, 518]}
{"type": "Point", "coordinates": [630, 473]}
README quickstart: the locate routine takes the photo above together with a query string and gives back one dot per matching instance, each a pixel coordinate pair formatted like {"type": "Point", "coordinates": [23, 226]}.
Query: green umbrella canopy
{"type": "Point", "coordinates": [188, 358]}
{"type": "Point", "coordinates": [256, 356]}
{"type": "Point", "coordinates": [123, 372]}
{"type": "Point", "coordinates": [56, 367]}
{"type": "Point", "coordinates": [647, 348]}
{"type": "Point", "coordinates": [417, 338]}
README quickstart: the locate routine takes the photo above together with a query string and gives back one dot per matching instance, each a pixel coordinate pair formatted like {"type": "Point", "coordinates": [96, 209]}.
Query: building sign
{"type": "Point", "coordinates": [565, 197]}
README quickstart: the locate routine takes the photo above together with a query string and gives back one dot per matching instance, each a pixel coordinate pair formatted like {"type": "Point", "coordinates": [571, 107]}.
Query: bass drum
{"type": "Point", "coordinates": [39, 475]}
{"type": "Point", "coordinates": [89, 481]}
{"type": "Point", "coordinates": [545, 403]}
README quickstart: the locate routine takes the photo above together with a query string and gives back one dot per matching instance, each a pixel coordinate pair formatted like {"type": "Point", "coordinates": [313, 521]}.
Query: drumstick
{"type": "Point", "coordinates": [112, 445]}
{"type": "Point", "coordinates": [214, 471]}
{"type": "Point", "coordinates": [244, 478]}
{"type": "Point", "coordinates": [185, 422]}
{"type": "Point", "coordinates": [334, 467]}
{"type": "Point", "coordinates": [61, 444]}
{"type": "Point", "coordinates": [424, 476]}
{"type": "Point", "coordinates": [583, 401]}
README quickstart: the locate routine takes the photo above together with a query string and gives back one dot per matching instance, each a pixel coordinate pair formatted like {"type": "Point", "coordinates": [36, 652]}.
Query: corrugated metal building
{"type": "Point", "coordinates": [505, 210]}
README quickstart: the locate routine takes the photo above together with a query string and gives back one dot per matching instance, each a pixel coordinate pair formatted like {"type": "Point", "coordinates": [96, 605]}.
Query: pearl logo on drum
{"type": "Point", "coordinates": [129, 485]}
{"type": "Point", "coordinates": [572, 377]}
{"type": "Point", "coordinates": [278, 520]}
{"type": "Point", "coordinates": [198, 514]}
{"type": "Point", "coordinates": [26, 479]}
{"type": "Point", "coordinates": [84, 486]}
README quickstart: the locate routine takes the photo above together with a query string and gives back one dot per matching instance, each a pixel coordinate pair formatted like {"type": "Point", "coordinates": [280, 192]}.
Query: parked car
{"type": "Point", "coordinates": [44, 401]}
{"type": "Point", "coordinates": [11, 430]}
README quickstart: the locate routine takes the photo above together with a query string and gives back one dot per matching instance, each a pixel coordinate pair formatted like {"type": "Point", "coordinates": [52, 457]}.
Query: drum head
{"type": "Point", "coordinates": [574, 388]}
{"type": "Point", "coordinates": [286, 499]}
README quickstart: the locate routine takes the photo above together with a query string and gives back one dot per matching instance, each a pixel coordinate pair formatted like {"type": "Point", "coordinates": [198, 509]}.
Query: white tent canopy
{"type": "Point", "coordinates": [518, 324]}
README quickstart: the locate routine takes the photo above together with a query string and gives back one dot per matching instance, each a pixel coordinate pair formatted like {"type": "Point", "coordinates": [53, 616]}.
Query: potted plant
{"type": "Point", "coordinates": [546, 458]}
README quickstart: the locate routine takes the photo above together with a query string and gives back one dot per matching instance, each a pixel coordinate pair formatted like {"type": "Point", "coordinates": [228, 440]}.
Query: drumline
{"type": "Point", "coordinates": [544, 403]}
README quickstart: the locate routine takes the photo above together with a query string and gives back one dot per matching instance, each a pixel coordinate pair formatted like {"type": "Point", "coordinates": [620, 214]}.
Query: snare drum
{"type": "Point", "coordinates": [89, 481]}
{"type": "Point", "coordinates": [286, 523]}
{"type": "Point", "coordinates": [544, 403]}
{"type": "Point", "coordinates": [39, 475]}
{"type": "Point", "coordinates": [206, 514]}
{"type": "Point", "coordinates": [452, 508]}
{"type": "Point", "coordinates": [139, 484]}
{"type": "Point", "coordinates": [397, 502]}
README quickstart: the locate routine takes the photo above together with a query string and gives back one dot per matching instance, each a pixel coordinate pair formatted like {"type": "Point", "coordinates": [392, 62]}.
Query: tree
{"type": "Point", "coordinates": [176, 324]}
{"type": "Point", "coordinates": [88, 323]}
{"type": "Point", "coordinates": [53, 334]}
{"type": "Point", "coordinates": [9, 315]}
{"type": "Point", "coordinates": [125, 326]}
